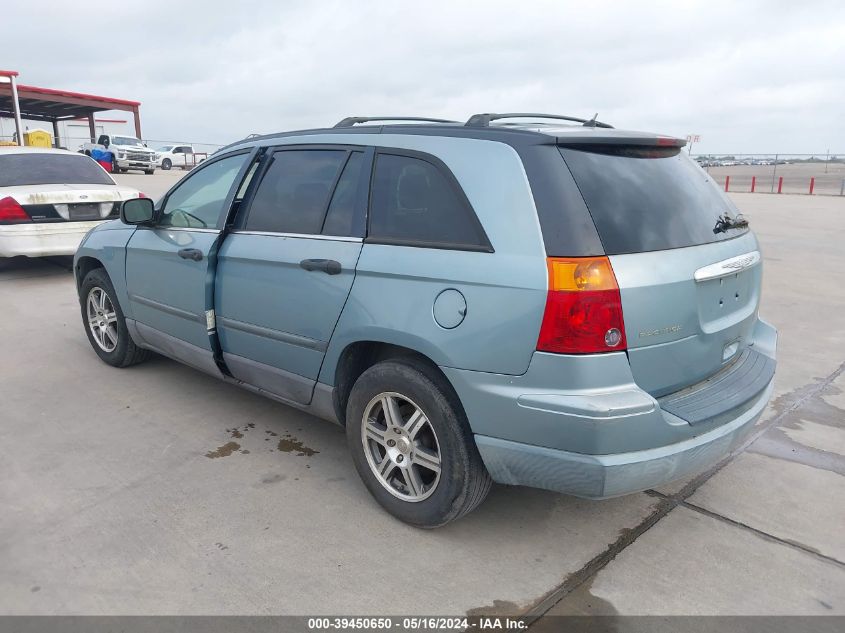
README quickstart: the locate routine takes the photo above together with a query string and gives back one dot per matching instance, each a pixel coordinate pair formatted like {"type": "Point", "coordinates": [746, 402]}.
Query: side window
{"type": "Point", "coordinates": [414, 202]}
{"type": "Point", "coordinates": [102, 140]}
{"type": "Point", "coordinates": [197, 203]}
{"type": "Point", "coordinates": [341, 219]}
{"type": "Point", "coordinates": [294, 192]}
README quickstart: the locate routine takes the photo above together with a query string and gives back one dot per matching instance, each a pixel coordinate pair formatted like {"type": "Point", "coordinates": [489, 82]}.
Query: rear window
{"type": "Point", "coordinates": [648, 199]}
{"type": "Point", "coordinates": [50, 169]}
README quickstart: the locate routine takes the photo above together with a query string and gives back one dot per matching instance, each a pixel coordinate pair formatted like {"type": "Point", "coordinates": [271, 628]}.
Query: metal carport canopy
{"type": "Point", "coordinates": [49, 105]}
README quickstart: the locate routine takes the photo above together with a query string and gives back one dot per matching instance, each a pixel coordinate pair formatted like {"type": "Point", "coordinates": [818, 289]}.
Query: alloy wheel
{"type": "Point", "coordinates": [401, 446]}
{"type": "Point", "coordinates": [102, 319]}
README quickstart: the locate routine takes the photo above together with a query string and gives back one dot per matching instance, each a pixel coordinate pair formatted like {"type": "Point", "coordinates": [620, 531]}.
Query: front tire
{"type": "Point", "coordinates": [105, 324]}
{"type": "Point", "coordinates": [166, 164]}
{"type": "Point", "coordinates": [149, 172]}
{"type": "Point", "coordinates": [412, 446]}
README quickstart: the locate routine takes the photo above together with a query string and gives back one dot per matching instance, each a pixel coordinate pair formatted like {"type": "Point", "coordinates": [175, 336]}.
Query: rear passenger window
{"type": "Point", "coordinates": [341, 219]}
{"type": "Point", "coordinates": [294, 192]}
{"type": "Point", "coordinates": [414, 202]}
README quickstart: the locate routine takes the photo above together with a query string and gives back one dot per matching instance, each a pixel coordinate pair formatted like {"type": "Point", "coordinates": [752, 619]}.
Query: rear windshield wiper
{"type": "Point", "coordinates": [726, 222]}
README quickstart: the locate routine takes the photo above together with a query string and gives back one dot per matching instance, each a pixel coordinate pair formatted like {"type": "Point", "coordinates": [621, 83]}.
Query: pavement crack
{"type": "Point", "coordinates": [765, 535]}
{"type": "Point", "coordinates": [598, 562]}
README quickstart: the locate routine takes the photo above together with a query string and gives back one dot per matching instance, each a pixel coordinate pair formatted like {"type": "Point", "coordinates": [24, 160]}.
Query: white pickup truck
{"type": "Point", "coordinates": [181, 156]}
{"type": "Point", "coordinates": [128, 151]}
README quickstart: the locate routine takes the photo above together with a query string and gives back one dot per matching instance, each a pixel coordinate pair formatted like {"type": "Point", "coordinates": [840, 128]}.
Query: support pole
{"type": "Point", "coordinates": [56, 141]}
{"type": "Point", "coordinates": [16, 108]}
{"type": "Point", "coordinates": [92, 129]}
{"type": "Point", "coordinates": [753, 183]}
{"type": "Point", "coordinates": [774, 173]}
{"type": "Point", "coordinates": [780, 184]}
{"type": "Point", "coordinates": [137, 116]}
{"type": "Point", "coordinates": [812, 184]}
{"type": "Point", "coordinates": [727, 183]}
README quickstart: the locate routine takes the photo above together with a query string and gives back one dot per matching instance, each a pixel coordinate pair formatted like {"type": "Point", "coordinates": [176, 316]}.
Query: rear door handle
{"type": "Point", "coordinates": [328, 266]}
{"type": "Point", "coordinates": [190, 253]}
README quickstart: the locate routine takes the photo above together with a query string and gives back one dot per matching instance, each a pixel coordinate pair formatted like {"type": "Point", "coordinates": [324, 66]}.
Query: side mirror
{"type": "Point", "coordinates": [137, 211]}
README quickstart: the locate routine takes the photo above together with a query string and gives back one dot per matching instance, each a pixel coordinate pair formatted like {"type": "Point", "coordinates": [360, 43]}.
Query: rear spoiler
{"type": "Point", "coordinates": [620, 140]}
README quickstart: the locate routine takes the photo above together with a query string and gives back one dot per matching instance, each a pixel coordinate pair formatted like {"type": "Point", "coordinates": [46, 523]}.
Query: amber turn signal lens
{"type": "Point", "coordinates": [582, 273]}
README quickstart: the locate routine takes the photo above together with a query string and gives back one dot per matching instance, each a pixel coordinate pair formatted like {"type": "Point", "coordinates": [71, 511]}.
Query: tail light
{"type": "Point", "coordinates": [11, 211]}
{"type": "Point", "coordinates": [141, 194]}
{"type": "Point", "coordinates": [583, 308]}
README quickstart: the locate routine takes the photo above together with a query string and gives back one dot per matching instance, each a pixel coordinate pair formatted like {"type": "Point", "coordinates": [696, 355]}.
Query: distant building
{"type": "Point", "coordinates": [72, 133]}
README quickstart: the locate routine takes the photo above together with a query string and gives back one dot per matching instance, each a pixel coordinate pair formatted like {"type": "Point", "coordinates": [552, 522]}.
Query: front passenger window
{"type": "Point", "coordinates": [198, 202]}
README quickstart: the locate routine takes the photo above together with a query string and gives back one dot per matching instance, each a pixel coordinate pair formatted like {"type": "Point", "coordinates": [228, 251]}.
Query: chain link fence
{"type": "Point", "coordinates": [817, 174]}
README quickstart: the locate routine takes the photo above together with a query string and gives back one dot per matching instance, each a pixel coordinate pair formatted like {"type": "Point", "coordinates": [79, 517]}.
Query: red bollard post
{"type": "Point", "coordinates": [812, 185]}
{"type": "Point", "coordinates": [727, 182]}
{"type": "Point", "coordinates": [780, 184]}
{"type": "Point", "coordinates": [753, 183]}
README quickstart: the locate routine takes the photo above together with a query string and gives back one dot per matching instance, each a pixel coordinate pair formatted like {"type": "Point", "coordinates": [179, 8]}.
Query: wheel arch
{"type": "Point", "coordinates": [85, 265]}
{"type": "Point", "coordinates": [358, 356]}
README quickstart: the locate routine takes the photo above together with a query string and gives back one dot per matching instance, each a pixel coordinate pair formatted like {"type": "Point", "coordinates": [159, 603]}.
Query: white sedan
{"type": "Point", "coordinates": [50, 198]}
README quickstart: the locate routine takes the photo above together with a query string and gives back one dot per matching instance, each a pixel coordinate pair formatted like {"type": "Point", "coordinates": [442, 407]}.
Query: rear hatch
{"type": "Point", "coordinates": [56, 187]}
{"type": "Point", "coordinates": [688, 270]}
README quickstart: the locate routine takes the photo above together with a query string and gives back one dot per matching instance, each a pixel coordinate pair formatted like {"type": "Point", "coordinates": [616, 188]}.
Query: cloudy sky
{"type": "Point", "coordinates": [748, 76]}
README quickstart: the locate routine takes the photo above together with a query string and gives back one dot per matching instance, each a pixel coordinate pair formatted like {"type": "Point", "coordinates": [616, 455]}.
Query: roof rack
{"type": "Point", "coordinates": [352, 120]}
{"type": "Point", "coordinates": [483, 120]}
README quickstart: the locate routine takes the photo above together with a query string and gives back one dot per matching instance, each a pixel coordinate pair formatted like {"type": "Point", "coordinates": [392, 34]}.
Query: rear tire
{"type": "Point", "coordinates": [404, 421]}
{"type": "Point", "coordinates": [105, 324]}
{"type": "Point", "coordinates": [149, 172]}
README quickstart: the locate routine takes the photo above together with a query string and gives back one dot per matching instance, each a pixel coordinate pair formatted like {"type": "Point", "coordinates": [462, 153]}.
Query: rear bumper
{"type": "Point", "coordinates": [42, 240]}
{"type": "Point", "coordinates": [603, 476]}
{"type": "Point", "coordinates": [581, 425]}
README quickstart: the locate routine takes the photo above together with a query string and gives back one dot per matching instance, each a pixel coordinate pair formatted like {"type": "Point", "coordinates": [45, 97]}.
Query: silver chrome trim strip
{"type": "Point", "coordinates": [333, 238]}
{"type": "Point", "coordinates": [728, 267]}
{"type": "Point", "coordinates": [276, 335]}
{"type": "Point", "coordinates": [150, 303]}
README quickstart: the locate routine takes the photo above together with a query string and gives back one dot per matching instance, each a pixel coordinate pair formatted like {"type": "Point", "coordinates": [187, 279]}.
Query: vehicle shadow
{"type": "Point", "coordinates": [23, 267]}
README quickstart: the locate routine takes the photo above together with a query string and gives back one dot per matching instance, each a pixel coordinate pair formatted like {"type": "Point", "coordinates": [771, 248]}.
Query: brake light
{"type": "Point", "coordinates": [11, 211]}
{"type": "Point", "coordinates": [583, 308]}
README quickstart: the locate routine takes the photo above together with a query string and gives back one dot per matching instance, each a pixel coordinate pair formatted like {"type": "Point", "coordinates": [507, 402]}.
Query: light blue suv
{"type": "Point", "coordinates": [536, 300]}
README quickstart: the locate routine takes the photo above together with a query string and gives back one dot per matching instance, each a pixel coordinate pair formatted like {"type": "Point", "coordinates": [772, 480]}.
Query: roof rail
{"type": "Point", "coordinates": [352, 120]}
{"type": "Point", "coordinates": [483, 120]}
